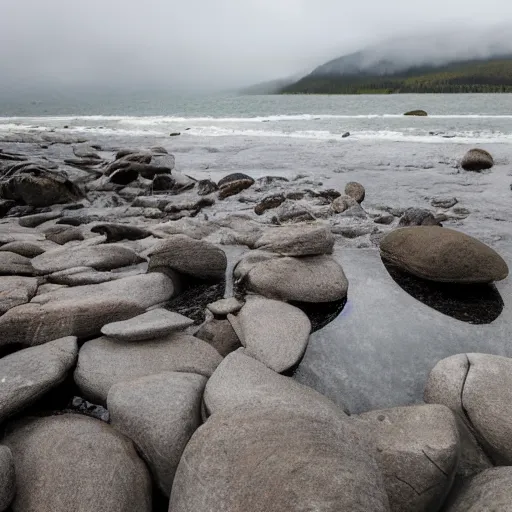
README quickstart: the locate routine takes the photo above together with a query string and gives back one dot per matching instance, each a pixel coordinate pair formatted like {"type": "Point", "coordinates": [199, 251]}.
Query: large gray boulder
{"type": "Point", "coordinates": [29, 374]}
{"type": "Point", "coordinates": [489, 491]}
{"type": "Point", "coordinates": [150, 325]}
{"type": "Point", "coordinates": [15, 291]}
{"type": "Point", "coordinates": [72, 462]}
{"type": "Point", "coordinates": [355, 190]}
{"type": "Point", "coordinates": [273, 332]}
{"type": "Point", "coordinates": [442, 254]}
{"type": "Point", "coordinates": [308, 279]}
{"type": "Point", "coordinates": [479, 388]}
{"type": "Point", "coordinates": [12, 264]}
{"type": "Point", "coordinates": [266, 460]}
{"type": "Point", "coordinates": [99, 257]}
{"type": "Point", "coordinates": [241, 380]}
{"type": "Point", "coordinates": [298, 240]}
{"type": "Point", "coordinates": [188, 256]}
{"type": "Point", "coordinates": [417, 449]}
{"type": "Point", "coordinates": [82, 310]}
{"type": "Point", "coordinates": [159, 413]}
{"type": "Point", "coordinates": [220, 335]}
{"type": "Point", "coordinates": [477, 160]}
{"type": "Point", "coordinates": [103, 362]}
{"type": "Point", "coordinates": [7, 478]}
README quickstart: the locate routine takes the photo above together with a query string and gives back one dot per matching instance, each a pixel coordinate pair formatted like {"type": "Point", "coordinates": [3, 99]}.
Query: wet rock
{"type": "Point", "coordinates": [292, 211]}
{"type": "Point", "coordinates": [29, 374]}
{"type": "Point", "coordinates": [153, 324]}
{"type": "Point", "coordinates": [233, 184]}
{"type": "Point", "coordinates": [355, 190]}
{"type": "Point", "coordinates": [159, 413]}
{"type": "Point", "coordinates": [7, 478]}
{"type": "Point", "coordinates": [99, 257]}
{"type": "Point", "coordinates": [82, 310]}
{"type": "Point", "coordinates": [266, 459]}
{"type": "Point", "coordinates": [273, 332]}
{"type": "Point", "coordinates": [490, 490]}
{"type": "Point", "coordinates": [163, 182]}
{"type": "Point", "coordinates": [420, 113]}
{"type": "Point", "coordinates": [188, 256]}
{"type": "Point", "coordinates": [220, 335]}
{"type": "Point", "coordinates": [15, 291]}
{"type": "Point", "coordinates": [444, 202]}
{"type": "Point", "coordinates": [444, 255]}
{"type": "Point", "coordinates": [267, 181]}
{"type": "Point", "coordinates": [103, 362]}
{"type": "Point", "coordinates": [188, 207]}
{"type": "Point", "coordinates": [295, 196]}
{"type": "Point", "coordinates": [163, 160]}
{"type": "Point", "coordinates": [118, 232]}
{"type": "Point", "coordinates": [268, 203]}
{"type": "Point", "coordinates": [477, 160]}
{"type": "Point", "coordinates": [477, 387]}
{"type": "Point", "coordinates": [298, 240]}
{"type": "Point", "coordinates": [71, 462]}
{"type": "Point", "coordinates": [385, 218]}
{"type": "Point", "coordinates": [36, 186]}
{"type": "Point", "coordinates": [418, 217]}
{"type": "Point", "coordinates": [14, 264]}
{"type": "Point", "coordinates": [225, 307]}
{"type": "Point", "coordinates": [205, 187]}
{"type": "Point", "coordinates": [343, 203]}
{"type": "Point", "coordinates": [417, 449]}
{"type": "Point", "coordinates": [328, 195]}
{"type": "Point", "coordinates": [62, 234]}
{"type": "Point", "coordinates": [84, 151]}
{"type": "Point", "coordinates": [32, 221]}
{"type": "Point", "coordinates": [308, 279]}
{"type": "Point", "coordinates": [345, 135]}
{"type": "Point", "coordinates": [240, 380]}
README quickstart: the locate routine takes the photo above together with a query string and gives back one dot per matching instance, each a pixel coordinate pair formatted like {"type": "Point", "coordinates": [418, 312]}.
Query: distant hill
{"type": "Point", "coordinates": [272, 87]}
{"type": "Point", "coordinates": [356, 74]}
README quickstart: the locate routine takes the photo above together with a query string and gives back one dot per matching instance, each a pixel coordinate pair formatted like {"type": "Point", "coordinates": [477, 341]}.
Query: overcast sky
{"type": "Point", "coordinates": [210, 43]}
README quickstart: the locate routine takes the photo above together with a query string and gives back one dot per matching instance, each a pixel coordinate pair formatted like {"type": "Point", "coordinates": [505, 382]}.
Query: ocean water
{"type": "Point", "coordinates": [466, 118]}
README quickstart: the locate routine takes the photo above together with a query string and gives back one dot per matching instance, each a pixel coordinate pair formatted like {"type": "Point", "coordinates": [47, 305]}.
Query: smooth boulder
{"type": "Point", "coordinates": [188, 256]}
{"type": "Point", "coordinates": [233, 184]}
{"type": "Point", "coordinates": [150, 325]}
{"type": "Point", "coordinates": [355, 190]}
{"type": "Point", "coordinates": [16, 290]}
{"type": "Point", "coordinates": [266, 460]}
{"type": "Point", "coordinates": [159, 413]}
{"type": "Point", "coordinates": [29, 374]}
{"type": "Point", "coordinates": [240, 380]}
{"type": "Point", "coordinates": [12, 264]}
{"type": "Point", "coordinates": [103, 362]}
{"type": "Point", "coordinates": [308, 279]}
{"type": "Point", "coordinates": [417, 449]}
{"type": "Point", "coordinates": [444, 255]}
{"type": "Point", "coordinates": [82, 310]}
{"type": "Point", "coordinates": [477, 160]}
{"type": "Point", "coordinates": [273, 332]}
{"type": "Point", "coordinates": [72, 462]}
{"type": "Point", "coordinates": [99, 257]}
{"type": "Point", "coordinates": [479, 388]}
{"type": "Point", "coordinates": [297, 240]}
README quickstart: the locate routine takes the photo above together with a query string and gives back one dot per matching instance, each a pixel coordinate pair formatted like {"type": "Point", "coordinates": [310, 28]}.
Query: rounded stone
{"type": "Point", "coordinates": [442, 254]}
{"type": "Point", "coordinates": [233, 184]}
{"type": "Point", "coordinates": [477, 160]}
{"type": "Point", "coordinates": [343, 203]}
{"type": "Point", "coordinates": [418, 113]}
{"type": "Point", "coordinates": [72, 462]}
{"type": "Point", "coordinates": [7, 478]}
{"type": "Point", "coordinates": [355, 190]}
{"type": "Point", "coordinates": [270, 460]}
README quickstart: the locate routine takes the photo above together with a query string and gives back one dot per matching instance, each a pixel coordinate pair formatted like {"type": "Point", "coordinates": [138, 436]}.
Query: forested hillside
{"type": "Point", "coordinates": [494, 75]}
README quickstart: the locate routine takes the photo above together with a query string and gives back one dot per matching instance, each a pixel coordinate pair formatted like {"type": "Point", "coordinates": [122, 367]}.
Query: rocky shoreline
{"type": "Point", "coordinates": [158, 330]}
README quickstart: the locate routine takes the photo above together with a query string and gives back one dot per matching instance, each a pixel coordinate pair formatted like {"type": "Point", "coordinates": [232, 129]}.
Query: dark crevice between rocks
{"type": "Point", "coordinates": [195, 295]}
{"type": "Point", "coordinates": [472, 303]}
{"type": "Point", "coordinates": [469, 423]}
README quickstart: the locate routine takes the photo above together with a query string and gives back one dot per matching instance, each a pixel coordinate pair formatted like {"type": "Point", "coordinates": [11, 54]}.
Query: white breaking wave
{"type": "Point", "coordinates": [161, 120]}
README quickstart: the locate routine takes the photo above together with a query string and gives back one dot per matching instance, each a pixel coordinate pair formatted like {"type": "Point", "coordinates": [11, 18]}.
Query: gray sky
{"type": "Point", "coordinates": [211, 43]}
